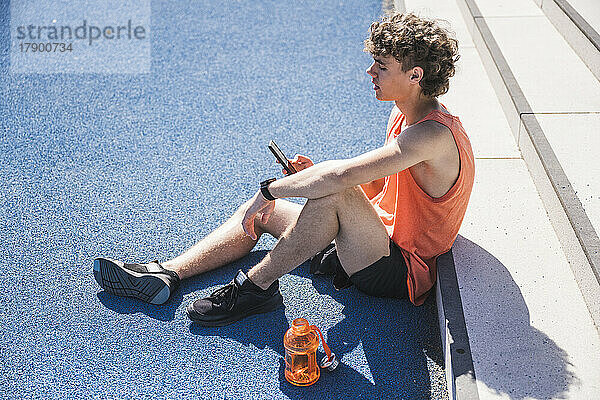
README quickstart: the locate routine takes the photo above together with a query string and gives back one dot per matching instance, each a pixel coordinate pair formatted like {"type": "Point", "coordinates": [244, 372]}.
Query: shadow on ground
{"type": "Point", "coordinates": [518, 359]}
{"type": "Point", "coordinates": [384, 344]}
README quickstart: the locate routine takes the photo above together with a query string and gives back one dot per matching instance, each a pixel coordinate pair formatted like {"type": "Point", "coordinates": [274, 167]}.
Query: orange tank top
{"type": "Point", "coordinates": [422, 226]}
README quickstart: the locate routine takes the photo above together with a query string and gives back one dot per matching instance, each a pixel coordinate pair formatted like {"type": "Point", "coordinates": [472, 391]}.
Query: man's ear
{"type": "Point", "coordinates": [416, 74]}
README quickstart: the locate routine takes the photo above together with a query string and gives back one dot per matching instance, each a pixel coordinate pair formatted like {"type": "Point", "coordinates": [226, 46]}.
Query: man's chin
{"type": "Point", "coordinates": [380, 97]}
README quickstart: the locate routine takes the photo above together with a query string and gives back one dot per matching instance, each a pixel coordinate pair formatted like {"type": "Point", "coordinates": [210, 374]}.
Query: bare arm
{"type": "Point", "coordinates": [417, 143]}
{"type": "Point", "coordinates": [317, 181]}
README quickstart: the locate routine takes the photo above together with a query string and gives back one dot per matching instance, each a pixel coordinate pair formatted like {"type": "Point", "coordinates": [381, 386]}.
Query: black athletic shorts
{"type": "Point", "coordinates": [386, 277]}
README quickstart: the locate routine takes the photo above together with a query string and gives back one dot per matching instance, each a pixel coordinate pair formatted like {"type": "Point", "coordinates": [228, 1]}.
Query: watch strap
{"type": "Point", "coordinates": [264, 189]}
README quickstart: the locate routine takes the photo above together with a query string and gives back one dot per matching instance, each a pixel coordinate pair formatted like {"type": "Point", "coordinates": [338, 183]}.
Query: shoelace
{"type": "Point", "coordinates": [225, 295]}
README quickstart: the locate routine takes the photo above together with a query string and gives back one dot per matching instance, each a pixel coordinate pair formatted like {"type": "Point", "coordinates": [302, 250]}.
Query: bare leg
{"type": "Point", "coordinates": [229, 243]}
{"type": "Point", "coordinates": [348, 217]}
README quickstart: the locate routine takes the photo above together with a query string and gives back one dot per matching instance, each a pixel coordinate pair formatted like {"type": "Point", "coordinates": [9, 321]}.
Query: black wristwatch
{"type": "Point", "coordinates": [264, 189]}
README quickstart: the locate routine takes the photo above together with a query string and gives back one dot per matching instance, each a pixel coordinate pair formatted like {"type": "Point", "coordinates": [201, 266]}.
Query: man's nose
{"type": "Point", "coordinates": [370, 70]}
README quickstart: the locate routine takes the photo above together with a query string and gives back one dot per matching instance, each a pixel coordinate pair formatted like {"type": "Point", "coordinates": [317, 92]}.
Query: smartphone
{"type": "Point", "coordinates": [283, 160]}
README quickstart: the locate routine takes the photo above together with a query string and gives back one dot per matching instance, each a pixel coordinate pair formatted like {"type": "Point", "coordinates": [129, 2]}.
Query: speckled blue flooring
{"type": "Point", "coordinates": [138, 167]}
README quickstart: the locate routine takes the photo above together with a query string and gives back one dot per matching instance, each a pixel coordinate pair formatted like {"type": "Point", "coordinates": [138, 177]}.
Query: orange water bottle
{"type": "Point", "coordinates": [301, 343]}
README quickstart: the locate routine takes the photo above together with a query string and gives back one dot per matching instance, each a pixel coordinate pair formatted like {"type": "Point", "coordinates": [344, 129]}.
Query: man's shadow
{"type": "Point", "coordinates": [399, 342]}
{"type": "Point", "coordinates": [384, 345]}
{"type": "Point", "coordinates": [515, 358]}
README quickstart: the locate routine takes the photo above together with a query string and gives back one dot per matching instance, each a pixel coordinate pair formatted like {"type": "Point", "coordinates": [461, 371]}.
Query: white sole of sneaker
{"type": "Point", "coordinates": [114, 278]}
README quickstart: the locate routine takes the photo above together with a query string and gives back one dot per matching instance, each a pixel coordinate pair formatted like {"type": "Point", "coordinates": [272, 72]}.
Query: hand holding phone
{"type": "Point", "coordinates": [283, 160]}
{"type": "Point", "coordinates": [298, 163]}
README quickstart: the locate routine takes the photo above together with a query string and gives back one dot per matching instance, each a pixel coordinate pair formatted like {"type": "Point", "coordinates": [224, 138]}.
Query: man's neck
{"type": "Point", "coordinates": [414, 111]}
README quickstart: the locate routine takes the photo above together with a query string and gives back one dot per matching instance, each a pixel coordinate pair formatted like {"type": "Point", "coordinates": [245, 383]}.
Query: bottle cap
{"type": "Point", "coordinates": [330, 363]}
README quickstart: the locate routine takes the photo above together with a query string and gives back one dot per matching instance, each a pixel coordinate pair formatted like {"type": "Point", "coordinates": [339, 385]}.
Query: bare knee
{"type": "Point", "coordinates": [339, 197]}
{"type": "Point", "coordinates": [241, 210]}
{"type": "Point", "coordinates": [238, 216]}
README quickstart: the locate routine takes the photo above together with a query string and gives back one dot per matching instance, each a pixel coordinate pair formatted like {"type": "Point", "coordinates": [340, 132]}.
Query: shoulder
{"type": "Point", "coordinates": [429, 132]}
{"type": "Point", "coordinates": [430, 138]}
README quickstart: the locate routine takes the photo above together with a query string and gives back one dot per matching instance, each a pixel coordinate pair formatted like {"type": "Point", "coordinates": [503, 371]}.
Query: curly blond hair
{"type": "Point", "coordinates": [415, 41]}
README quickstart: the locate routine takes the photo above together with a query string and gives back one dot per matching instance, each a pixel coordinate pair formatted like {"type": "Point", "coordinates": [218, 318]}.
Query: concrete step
{"type": "Point", "coordinates": [579, 23]}
{"type": "Point", "coordinates": [526, 284]}
{"type": "Point", "coordinates": [527, 60]}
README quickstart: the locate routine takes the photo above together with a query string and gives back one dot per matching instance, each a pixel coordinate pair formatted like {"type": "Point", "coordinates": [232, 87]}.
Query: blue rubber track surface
{"type": "Point", "coordinates": [141, 166]}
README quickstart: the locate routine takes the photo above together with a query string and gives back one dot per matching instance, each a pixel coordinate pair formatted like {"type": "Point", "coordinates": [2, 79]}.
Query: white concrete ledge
{"type": "Point", "coordinates": [582, 37]}
{"type": "Point", "coordinates": [458, 361]}
{"type": "Point", "coordinates": [543, 164]}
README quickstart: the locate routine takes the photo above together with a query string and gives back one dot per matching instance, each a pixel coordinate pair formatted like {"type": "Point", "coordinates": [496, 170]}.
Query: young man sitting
{"type": "Point", "coordinates": [390, 211]}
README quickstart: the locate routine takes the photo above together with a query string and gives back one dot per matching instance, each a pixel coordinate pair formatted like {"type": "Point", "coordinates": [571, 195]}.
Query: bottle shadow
{"type": "Point", "coordinates": [512, 356]}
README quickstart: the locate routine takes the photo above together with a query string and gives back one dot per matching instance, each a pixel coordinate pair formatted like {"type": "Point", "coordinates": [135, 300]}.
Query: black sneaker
{"type": "Point", "coordinates": [148, 282]}
{"type": "Point", "coordinates": [234, 301]}
{"type": "Point", "coordinates": [323, 263]}
{"type": "Point", "coordinates": [326, 262]}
